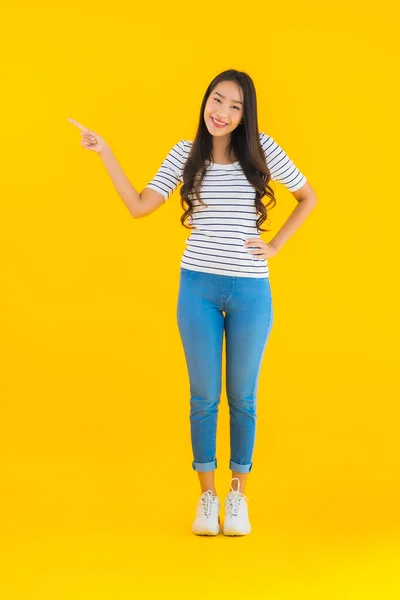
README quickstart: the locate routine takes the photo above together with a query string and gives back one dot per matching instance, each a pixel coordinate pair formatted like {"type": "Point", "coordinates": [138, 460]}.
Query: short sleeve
{"type": "Point", "coordinates": [169, 174]}
{"type": "Point", "coordinates": [281, 167]}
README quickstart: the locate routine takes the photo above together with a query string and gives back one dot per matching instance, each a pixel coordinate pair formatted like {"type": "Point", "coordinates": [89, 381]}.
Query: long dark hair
{"type": "Point", "coordinates": [244, 144]}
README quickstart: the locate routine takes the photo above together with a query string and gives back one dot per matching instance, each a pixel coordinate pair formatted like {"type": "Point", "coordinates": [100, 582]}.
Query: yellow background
{"type": "Point", "coordinates": [97, 490]}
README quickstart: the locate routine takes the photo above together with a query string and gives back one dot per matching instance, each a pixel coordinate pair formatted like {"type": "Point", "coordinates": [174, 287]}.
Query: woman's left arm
{"type": "Point", "coordinates": [307, 199]}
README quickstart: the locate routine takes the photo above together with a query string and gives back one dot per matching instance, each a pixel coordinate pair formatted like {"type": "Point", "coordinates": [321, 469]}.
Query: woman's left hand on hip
{"type": "Point", "coordinates": [261, 248]}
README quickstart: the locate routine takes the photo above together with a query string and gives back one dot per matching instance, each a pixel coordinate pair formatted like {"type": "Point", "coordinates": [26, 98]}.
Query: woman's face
{"type": "Point", "coordinates": [225, 105]}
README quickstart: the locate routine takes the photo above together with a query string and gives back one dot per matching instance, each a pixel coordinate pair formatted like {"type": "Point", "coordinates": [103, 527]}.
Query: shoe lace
{"type": "Point", "coordinates": [207, 501]}
{"type": "Point", "coordinates": [234, 499]}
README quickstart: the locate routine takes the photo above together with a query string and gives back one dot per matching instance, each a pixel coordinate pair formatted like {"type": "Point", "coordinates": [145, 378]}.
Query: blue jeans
{"type": "Point", "coordinates": [247, 303]}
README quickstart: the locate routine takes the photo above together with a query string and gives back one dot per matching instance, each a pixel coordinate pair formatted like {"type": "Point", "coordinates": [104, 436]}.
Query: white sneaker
{"type": "Point", "coordinates": [207, 520]}
{"type": "Point", "coordinates": [236, 513]}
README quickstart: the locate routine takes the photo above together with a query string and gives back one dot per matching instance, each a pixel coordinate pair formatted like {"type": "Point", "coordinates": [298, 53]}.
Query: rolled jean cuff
{"type": "Point", "coordinates": [208, 466]}
{"type": "Point", "coordinates": [240, 468]}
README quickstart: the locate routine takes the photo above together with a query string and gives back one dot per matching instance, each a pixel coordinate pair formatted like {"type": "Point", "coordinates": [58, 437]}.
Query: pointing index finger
{"type": "Point", "coordinates": [81, 127]}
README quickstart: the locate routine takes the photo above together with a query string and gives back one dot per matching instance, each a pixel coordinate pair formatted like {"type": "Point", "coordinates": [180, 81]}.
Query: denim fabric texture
{"type": "Point", "coordinates": [209, 305]}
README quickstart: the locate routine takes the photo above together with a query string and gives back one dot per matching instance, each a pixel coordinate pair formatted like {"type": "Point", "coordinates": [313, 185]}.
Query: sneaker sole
{"type": "Point", "coordinates": [233, 532]}
{"type": "Point", "coordinates": [198, 531]}
{"type": "Point", "coordinates": [206, 532]}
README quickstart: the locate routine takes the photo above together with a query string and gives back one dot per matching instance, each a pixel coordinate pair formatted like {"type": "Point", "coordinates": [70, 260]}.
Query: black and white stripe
{"type": "Point", "coordinates": [216, 245]}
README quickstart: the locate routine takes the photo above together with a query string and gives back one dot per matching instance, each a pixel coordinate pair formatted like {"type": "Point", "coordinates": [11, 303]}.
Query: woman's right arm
{"type": "Point", "coordinates": [128, 194]}
{"type": "Point", "coordinates": [138, 205]}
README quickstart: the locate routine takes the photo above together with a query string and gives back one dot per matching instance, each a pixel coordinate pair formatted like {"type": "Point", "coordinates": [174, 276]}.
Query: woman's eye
{"type": "Point", "coordinates": [217, 99]}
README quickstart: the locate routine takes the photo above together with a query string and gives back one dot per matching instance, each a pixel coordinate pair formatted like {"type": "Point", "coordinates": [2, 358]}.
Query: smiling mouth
{"type": "Point", "coordinates": [217, 124]}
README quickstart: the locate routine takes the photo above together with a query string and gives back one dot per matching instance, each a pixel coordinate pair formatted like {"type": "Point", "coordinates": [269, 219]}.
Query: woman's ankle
{"type": "Point", "coordinates": [213, 491]}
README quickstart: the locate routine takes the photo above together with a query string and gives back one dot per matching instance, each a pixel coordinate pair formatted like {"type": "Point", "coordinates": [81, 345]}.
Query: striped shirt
{"type": "Point", "coordinates": [216, 245]}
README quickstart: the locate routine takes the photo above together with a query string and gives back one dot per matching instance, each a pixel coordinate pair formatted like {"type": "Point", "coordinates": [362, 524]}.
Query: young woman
{"type": "Point", "coordinates": [224, 277]}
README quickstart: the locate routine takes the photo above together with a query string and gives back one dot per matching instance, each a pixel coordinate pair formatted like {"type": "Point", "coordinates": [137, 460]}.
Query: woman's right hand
{"type": "Point", "coordinates": [89, 139]}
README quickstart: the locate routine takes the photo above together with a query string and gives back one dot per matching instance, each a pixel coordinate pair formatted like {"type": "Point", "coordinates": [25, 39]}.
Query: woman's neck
{"type": "Point", "coordinates": [220, 151]}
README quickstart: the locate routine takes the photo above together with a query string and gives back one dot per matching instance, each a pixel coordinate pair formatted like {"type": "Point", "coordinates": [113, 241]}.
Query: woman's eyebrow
{"type": "Point", "coordinates": [234, 101]}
